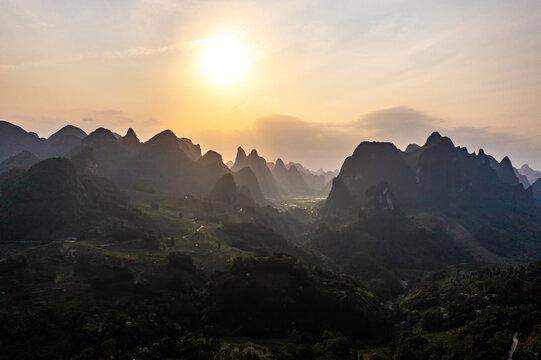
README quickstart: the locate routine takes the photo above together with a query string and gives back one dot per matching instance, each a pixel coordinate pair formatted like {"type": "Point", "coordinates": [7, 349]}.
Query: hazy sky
{"type": "Point", "coordinates": [323, 75]}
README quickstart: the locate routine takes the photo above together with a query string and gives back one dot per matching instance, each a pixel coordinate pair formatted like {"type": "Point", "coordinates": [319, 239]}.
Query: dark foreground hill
{"type": "Point", "coordinates": [51, 200]}
{"type": "Point", "coordinates": [22, 160]}
{"type": "Point", "coordinates": [93, 303]}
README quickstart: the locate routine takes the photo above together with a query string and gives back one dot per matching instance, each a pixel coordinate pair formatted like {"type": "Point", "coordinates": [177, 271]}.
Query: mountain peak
{"type": "Point", "coordinates": [506, 173]}
{"type": "Point", "coordinates": [412, 147]}
{"type": "Point", "coordinates": [225, 190]}
{"type": "Point", "coordinates": [279, 163]}
{"type": "Point", "coordinates": [435, 139]}
{"type": "Point", "coordinates": [240, 153]}
{"type": "Point", "coordinates": [371, 146]}
{"type": "Point", "coordinates": [212, 156]}
{"type": "Point", "coordinates": [68, 130]}
{"type": "Point", "coordinates": [166, 133]}
{"type": "Point", "coordinates": [166, 137]}
{"type": "Point", "coordinates": [23, 160]}
{"type": "Point", "coordinates": [245, 177]}
{"type": "Point", "coordinates": [253, 153]}
{"type": "Point", "coordinates": [130, 133]}
{"type": "Point", "coordinates": [7, 125]}
{"type": "Point", "coordinates": [506, 162]}
{"type": "Point", "coordinates": [130, 136]}
{"type": "Point", "coordinates": [130, 140]}
{"type": "Point", "coordinates": [100, 134]}
{"type": "Point", "coordinates": [294, 170]}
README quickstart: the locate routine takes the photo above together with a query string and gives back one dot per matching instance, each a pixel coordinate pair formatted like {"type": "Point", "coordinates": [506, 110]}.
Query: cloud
{"type": "Point", "coordinates": [290, 138]}
{"type": "Point", "coordinates": [109, 116]}
{"type": "Point", "coordinates": [88, 119]}
{"type": "Point", "coordinates": [109, 112]}
{"type": "Point", "coordinates": [328, 144]}
{"type": "Point", "coordinates": [400, 124]}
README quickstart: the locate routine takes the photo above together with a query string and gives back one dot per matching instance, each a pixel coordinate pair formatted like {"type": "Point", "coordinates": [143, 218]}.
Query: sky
{"type": "Point", "coordinates": [318, 77]}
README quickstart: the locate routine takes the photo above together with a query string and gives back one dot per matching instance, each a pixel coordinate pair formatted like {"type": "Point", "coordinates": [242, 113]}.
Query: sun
{"type": "Point", "coordinates": [225, 59]}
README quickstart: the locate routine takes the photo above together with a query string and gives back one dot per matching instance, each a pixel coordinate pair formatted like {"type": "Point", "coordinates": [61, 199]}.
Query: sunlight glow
{"type": "Point", "coordinates": [225, 59]}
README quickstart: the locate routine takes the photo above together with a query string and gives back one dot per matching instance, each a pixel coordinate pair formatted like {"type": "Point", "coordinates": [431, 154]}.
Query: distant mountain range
{"type": "Point", "coordinates": [531, 175]}
{"type": "Point", "coordinates": [165, 163]}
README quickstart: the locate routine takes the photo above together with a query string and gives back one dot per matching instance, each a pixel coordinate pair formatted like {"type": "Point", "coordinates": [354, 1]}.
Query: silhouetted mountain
{"type": "Point", "coordinates": [168, 140]}
{"type": "Point", "coordinates": [226, 191]}
{"type": "Point", "coordinates": [521, 178]}
{"type": "Point", "coordinates": [530, 173]}
{"type": "Point", "coordinates": [296, 182]}
{"type": "Point", "coordinates": [437, 174]}
{"type": "Point", "coordinates": [241, 157]}
{"type": "Point", "coordinates": [329, 175]}
{"type": "Point", "coordinates": [51, 200]}
{"type": "Point", "coordinates": [506, 172]}
{"type": "Point", "coordinates": [109, 157]}
{"type": "Point", "coordinates": [23, 160]}
{"type": "Point", "coordinates": [290, 180]}
{"type": "Point", "coordinates": [68, 130]}
{"type": "Point", "coordinates": [470, 195]}
{"type": "Point", "coordinates": [370, 164]}
{"type": "Point", "coordinates": [130, 141]}
{"type": "Point", "coordinates": [100, 136]}
{"type": "Point", "coordinates": [229, 164]}
{"type": "Point", "coordinates": [213, 158]}
{"type": "Point", "coordinates": [280, 174]}
{"type": "Point", "coordinates": [319, 181]}
{"type": "Point", "coordinates": [13, 140]}
{"type": "Point", "coordinates": [258, 165]}
{"type": "Point", "coordinates": [245, 177]}
{"type": "Point", "coordinates": [164, 163]}
{"type": "Point", "coordinates": [211, 168]}
{"type": "Point", "coordinates": [412, 147]}
{"type": "Point", "coordinates": [161, 164]}
{"type": "Point", "coordinates": [65, 141]}
{"type": "Point", "coordinates": [340, 196]}
{"type": "Point", "coordinates": [193, 151]}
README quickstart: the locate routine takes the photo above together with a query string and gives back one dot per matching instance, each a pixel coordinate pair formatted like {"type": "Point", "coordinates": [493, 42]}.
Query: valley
{"type": "Point", "coordinates": [114, 248]}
